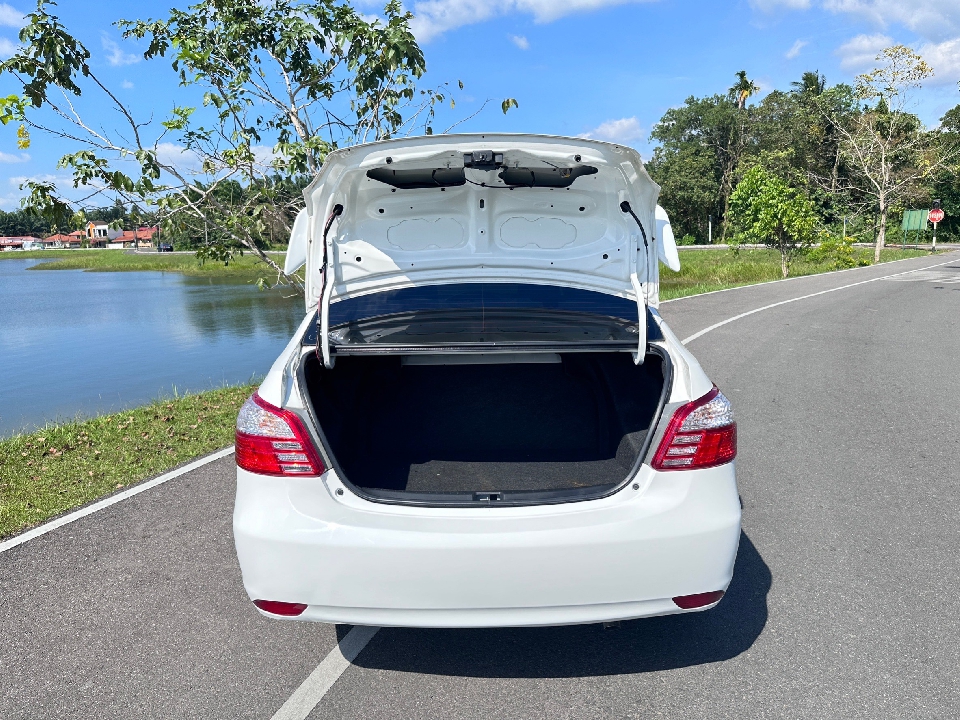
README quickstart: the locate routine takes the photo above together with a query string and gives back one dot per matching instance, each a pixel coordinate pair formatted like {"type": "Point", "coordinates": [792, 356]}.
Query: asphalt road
{"type": "Point", "coordinates": [844, 602]}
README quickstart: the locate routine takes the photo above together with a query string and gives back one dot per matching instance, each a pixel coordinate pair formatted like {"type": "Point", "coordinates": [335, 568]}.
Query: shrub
{"type": "Point", "coordinates": [838, 252]}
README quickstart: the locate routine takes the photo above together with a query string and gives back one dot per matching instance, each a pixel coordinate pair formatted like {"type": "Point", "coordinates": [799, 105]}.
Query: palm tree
{"type": "Point", "coordinates": [811, 84]}
{"type": "Point", "coordinates": [743, 89]}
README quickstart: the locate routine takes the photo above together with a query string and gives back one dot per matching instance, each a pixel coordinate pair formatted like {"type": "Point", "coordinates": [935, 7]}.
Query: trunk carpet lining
{"type": "Point", "coordinates": [486, 428]}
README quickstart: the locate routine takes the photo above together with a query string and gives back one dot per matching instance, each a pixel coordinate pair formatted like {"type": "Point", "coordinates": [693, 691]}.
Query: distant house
{"type": "Point", "coordinates": [21, 243]}
{"type": "Point", "coordinates": [99, 234]}
{"type": "Point", "coordinates": [64, 241]}
{"type": "Point", "coordinates": [141, 237]}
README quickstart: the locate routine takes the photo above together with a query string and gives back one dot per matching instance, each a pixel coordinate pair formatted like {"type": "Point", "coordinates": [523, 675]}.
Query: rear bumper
{"type": "Point", "coordinates": [358, 562]}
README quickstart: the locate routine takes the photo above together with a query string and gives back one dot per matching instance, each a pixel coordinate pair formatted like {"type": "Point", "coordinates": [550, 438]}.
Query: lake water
{"type": "Point", "coordinates": [80, 343]}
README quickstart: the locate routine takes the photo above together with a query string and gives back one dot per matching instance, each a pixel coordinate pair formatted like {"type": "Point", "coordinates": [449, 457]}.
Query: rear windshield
{"type": "Point", "coordinates": [484, 313]}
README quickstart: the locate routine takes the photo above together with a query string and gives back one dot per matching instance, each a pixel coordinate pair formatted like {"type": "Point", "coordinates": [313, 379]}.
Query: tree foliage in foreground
{"type": "Point", "coordinates": [280, 83]}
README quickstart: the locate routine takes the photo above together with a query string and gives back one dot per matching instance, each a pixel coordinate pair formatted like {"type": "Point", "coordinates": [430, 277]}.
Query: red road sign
{"type": "Point", "coordinates": [935, 216]}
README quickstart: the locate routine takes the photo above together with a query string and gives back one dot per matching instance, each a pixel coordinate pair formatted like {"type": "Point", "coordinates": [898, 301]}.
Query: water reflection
{"type": "Point", "coordinates": [74, 342]}
{"type": "Point", "coordinates": [215, 306]}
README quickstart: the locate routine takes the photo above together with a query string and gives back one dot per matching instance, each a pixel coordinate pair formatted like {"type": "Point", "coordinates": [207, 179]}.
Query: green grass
{"type": "Point", "coordinates": [61, 467]}
{"type": "Point", "coordinates": [701, 270]}
{"type": "Point", "coordinates": [708, 270]}
{"type": "Point", "coordinates": [247, 266]}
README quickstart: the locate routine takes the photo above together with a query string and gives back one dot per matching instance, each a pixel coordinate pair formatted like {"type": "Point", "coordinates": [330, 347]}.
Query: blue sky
{"type": "Point", "coordinates": [604, 68]}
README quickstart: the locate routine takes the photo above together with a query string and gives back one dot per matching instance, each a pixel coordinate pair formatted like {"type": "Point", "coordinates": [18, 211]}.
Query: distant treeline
{"type": "Point", "coordinates": [805, 136]}
{"type": "Point", "coordinates": [272, 225]}
{"type": "Point", "coordinates": [22, 223]}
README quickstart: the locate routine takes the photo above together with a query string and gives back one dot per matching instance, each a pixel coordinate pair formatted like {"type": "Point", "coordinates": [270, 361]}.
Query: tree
{"type": "Point", "coordinates": [886, 146]}
{"type": "Point", "coordinates": [797, 139]}
{"type": "Point", "coordinates": [743, 89]}
{"type": "Point", "coordinates": [281, 83]}
{"type": "Point", "coordinates": [765, 210]}
{"type": "Point", "coordinates": [811, 84]}
{"type": "Point", "coordinates": [22, 224]}
{"type": "Point", "coordinates": [688, 186]}
{"type": "Point", "coordinates": [945, 184]}
{"type": "Point", "coordinates": [702, 144]}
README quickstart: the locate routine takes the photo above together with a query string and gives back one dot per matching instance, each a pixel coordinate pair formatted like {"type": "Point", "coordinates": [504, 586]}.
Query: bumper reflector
{"type": "Point", "coordinates": [689, 602]}
{"type": "Point", "coordinates": [275, 607]}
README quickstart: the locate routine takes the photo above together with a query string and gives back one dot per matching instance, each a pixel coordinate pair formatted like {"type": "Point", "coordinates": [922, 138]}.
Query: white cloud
{"type": "Point", "coordinates": [7, 48]}
{"type": "Point", "coordinates": [11, 17]}
{"type": "Point", "coordinates": [944, 58]}
{"type": "Point", "coordinates": [765, 84]}
{"type": "Point", "coordinates": [126, 85]}
{"type": "Point", "coordinates": [624, 130]}
{"type": "Point", "coordinates": [435, 17]}
{"type": "Point", "coordinates": [62, 181]}
{"type": "Point", "coordinates": [795, 49]}
{"type": "Point", "coordinates": [117, 56]}
{"type": "Point", "coordinates": [772, 5]}
{"type": "Point", "coordinates": [929, 19]}
{"type": "Point", "coordinates": [861, 52]}
{"type": "Point", "coordinates": [11, 158]}
{"type": "Point", "coordinates": [520, 41]}
{"type": "Point", "coordinates": [19, 180]}
{"type": "Point", "coordinates": [264, 156]}
{"type": "Point", "coordinates": [934, 20]}
{"type": "Point", "coordinates": [10, 201]}
{"type": "Point", "coordinates": [169, 153]}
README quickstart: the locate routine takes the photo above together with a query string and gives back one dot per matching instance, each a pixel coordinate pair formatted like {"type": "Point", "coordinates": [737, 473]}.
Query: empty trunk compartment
{"type": "Point", "coordinates": [549, 426]}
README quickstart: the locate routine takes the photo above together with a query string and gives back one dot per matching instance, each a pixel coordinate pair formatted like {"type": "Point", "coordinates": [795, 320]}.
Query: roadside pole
{"type": "Point", "coordinates": [935, 216]}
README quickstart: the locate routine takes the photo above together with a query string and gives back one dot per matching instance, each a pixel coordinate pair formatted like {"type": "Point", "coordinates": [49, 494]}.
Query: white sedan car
{"type": "Point", "coordinates": [483, 420]}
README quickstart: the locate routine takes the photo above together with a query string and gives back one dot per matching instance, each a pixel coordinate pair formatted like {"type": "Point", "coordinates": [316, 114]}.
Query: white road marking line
{"type": "Point", "coordinates": [312, 690]}
{"type": "Point", "coordinates": [112, 500]}
{"type": "Point", "coordinates": [802, 297]}
{"type": "Point", "coordinates": [933, 276]}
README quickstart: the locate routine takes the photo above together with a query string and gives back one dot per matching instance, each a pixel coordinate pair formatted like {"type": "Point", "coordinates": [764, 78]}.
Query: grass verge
{"type": "Point", "coordinates": [247, 266]}
{"type": "Point", "coordinates": [708, 270]}
{"type": "Point", "coordinates": [61, 467]}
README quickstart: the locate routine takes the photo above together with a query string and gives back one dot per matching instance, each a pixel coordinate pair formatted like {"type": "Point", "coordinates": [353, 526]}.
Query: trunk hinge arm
{"type": "Point", "coordinates": [327, 291]}
{"type": "Point", "coordinates": [640, 290]}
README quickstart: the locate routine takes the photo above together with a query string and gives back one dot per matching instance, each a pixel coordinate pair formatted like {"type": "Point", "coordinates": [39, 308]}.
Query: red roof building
{"type": "Point", "coordinates": [142, 236]}
{"type": "Point", "coordinates": [141, 233]}
{"type": "Point", "coordinates": [68, 241]}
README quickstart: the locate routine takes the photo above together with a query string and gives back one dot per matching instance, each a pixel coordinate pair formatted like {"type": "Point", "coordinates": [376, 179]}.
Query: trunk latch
{"type": "Point", "coordinates": [487, 497]}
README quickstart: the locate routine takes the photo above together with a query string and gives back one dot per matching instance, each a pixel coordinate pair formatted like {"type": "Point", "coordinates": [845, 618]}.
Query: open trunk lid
{"type": "Point", "coordinates": [489, 208]}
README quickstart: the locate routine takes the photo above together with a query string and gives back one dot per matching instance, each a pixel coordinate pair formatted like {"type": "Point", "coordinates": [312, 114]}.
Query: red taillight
{"type": "Point", "coordinates": [701, 434]}
{"type": "Point", "coordinates": [273, 441]}
{"type": "Point", "coordinates": [689, 602]}
{"type": "Point", "coordinates": [275, 607]}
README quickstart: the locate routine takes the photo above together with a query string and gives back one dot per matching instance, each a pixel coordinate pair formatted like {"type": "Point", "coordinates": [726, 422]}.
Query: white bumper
{"type": "Point", "coordinates": [364, 563]}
